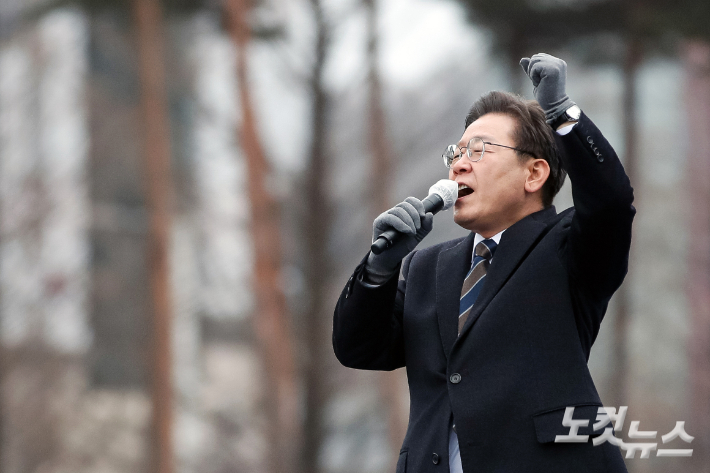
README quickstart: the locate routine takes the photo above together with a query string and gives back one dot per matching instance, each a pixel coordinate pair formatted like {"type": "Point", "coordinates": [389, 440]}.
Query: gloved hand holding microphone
{"type": "Point", "coordinates": [399, 230]}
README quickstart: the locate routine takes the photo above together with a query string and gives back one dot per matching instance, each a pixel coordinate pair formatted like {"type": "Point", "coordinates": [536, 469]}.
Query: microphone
{"type": "Point", "coordinates": [442, 196]}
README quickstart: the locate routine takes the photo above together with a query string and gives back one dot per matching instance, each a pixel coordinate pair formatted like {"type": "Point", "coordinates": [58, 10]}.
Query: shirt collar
{"type": "Point", "coordinates": [478, 238]}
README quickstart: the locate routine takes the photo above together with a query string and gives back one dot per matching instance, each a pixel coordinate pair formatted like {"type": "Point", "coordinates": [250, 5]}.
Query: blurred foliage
{"type": "Point", "coordinates": [544, 22]}
{"type": "Point", "coordinates": [691, 18]}
{"type": "Point", "coordinates": [260, 29]}
{"type": "Point", "coordinates": [548, 23]}
{"type": "Point", "coordinates": [169, 6]}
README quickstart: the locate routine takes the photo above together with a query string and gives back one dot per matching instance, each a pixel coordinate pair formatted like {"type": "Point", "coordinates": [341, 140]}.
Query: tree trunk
{"type": "Point", "coordinates": [317, 227]}
{"type": "Point", "coordinates": [391, 383]}
{"type": "Point", "coordinates": [519, 83]}
{"type": "Point", "coordinates": [148, 19]}
{"type": "Point", "coordinates": [381, 169]}
{"type": "Point", "coordinates": [271, 321]}
{"type": "Point", "coordinates": [620, 370]}
{"type": "Point", "coordinates": [697, 96]}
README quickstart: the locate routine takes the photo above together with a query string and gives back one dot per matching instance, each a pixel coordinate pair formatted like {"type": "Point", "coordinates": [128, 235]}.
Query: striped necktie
{"type": "Point", "coordinates": [475, 278]}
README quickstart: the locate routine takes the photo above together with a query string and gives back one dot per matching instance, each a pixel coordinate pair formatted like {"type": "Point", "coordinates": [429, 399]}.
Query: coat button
{"type": "Point", "coordinates": [455, 378]}
{"type": "Point", "coordinates": [435, 458]}
{"type": "Point", "coordinates": [590, 140]}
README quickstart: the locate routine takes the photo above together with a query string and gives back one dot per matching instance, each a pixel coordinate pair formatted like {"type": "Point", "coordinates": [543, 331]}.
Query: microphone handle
{"type": "Point", "coordinates": [433, 203]}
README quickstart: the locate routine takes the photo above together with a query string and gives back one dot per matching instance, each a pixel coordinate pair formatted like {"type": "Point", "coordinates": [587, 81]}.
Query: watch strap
{"type": "Point", "coordinates": [571, 114]}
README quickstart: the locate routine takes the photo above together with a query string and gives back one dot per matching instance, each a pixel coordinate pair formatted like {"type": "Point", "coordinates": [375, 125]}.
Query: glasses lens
{"type": "Point", "coordinates": [450, 155]}
{"type": "Point", "coordinates": [475, 149]}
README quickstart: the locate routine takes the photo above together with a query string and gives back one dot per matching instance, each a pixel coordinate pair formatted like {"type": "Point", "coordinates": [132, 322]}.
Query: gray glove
{"type": "Point", "coordinates": [548, 75]}
{"type": "Point", "coordinates": [408, 218]}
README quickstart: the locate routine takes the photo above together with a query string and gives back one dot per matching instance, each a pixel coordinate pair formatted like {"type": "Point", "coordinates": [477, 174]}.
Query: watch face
{"type": "Point", "coordinates": [573, 112]}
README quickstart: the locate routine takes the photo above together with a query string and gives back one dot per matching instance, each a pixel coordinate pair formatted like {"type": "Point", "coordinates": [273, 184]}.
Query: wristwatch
{"type": "Point", "coordinates": [572, 114]}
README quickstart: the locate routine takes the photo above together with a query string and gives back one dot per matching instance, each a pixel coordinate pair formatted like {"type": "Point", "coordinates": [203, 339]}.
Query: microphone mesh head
{"type": "Point", "coordinates": [448, 190]}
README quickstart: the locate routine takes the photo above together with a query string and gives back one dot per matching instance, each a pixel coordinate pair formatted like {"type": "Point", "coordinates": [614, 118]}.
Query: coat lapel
{"type": "Point", "coordinates": [515, 244]}
{"type": "Point", "coordinates": [451, 268]}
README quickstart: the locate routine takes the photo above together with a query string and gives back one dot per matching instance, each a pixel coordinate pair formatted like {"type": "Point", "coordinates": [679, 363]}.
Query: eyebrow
{"type": "Point", "coordinates": [483, 137]}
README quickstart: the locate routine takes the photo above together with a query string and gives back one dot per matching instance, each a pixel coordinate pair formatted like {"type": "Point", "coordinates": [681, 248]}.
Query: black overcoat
{"type": "Point", "coordinates": [521, 358]}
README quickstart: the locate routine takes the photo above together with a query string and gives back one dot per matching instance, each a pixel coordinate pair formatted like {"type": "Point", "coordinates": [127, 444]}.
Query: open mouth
{"type": "Point", "coordinates": [464, 190]}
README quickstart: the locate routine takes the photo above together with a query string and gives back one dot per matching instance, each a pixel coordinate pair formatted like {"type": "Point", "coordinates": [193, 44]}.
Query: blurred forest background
{"type": "Point", "coordinates": [186, 185]}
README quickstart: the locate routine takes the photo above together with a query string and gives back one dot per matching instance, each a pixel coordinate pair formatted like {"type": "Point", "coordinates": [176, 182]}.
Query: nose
{"type": "Point", "coordinates": [462, 165]}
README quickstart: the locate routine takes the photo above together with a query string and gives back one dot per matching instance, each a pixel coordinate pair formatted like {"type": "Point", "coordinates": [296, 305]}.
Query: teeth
{"type": "Point", "coordinates": [463, 186]}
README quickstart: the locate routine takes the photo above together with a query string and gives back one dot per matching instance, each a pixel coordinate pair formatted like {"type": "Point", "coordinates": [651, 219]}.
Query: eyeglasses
{"type": "Point", "coordinates": [473, 151]}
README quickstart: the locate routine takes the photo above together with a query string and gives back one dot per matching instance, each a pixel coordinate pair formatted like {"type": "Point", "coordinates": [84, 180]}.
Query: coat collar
{"type": "Point", "coordinates": [454, 263]}
{"type": "Point", "coordinates": [451, 268]}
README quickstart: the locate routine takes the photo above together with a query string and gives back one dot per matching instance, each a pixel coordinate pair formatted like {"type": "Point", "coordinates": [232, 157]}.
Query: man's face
{"type": "Point", "coordinates": [499, 198]}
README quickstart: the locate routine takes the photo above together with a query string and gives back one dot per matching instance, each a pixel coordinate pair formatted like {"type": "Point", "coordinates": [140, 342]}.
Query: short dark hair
{"type": "Point", "coordinates": [532, 134]}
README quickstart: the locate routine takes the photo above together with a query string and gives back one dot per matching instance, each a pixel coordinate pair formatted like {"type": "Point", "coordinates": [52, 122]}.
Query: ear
{"type": "Point", "coordinates": [537, 172]}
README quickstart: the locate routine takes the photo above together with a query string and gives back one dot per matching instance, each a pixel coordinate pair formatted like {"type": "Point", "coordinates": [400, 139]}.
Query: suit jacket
{"type": "Point", "coordinates": [521, 357]}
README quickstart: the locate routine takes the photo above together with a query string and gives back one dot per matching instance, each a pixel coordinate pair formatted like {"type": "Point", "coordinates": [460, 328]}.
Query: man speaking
{"type": "Point", "coordinates": [495, 329]}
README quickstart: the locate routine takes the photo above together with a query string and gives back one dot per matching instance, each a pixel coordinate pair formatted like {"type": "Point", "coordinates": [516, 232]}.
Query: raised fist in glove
{"type": "Point", "coordinates": [408, 218]}
{"type": "Point", "coordinates": [549, 76]}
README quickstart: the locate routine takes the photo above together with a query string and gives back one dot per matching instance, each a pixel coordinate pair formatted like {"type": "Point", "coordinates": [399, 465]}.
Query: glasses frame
{"type": "Point", "coordinates": [469, 153]}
